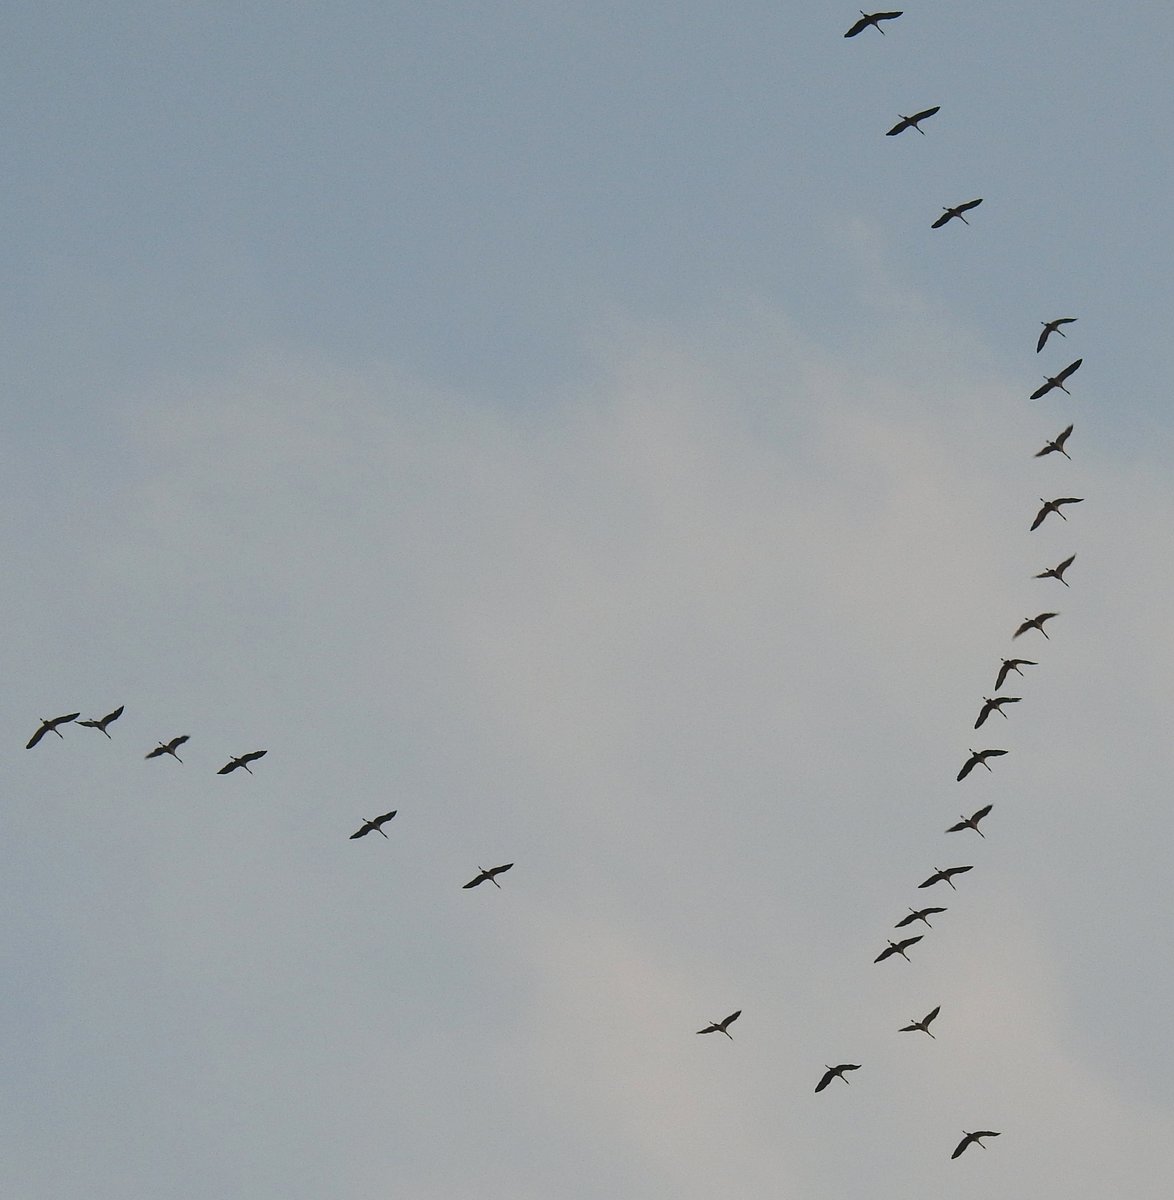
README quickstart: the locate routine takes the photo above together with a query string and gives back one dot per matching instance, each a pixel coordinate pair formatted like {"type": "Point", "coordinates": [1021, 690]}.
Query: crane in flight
{"type": "Point", "coordinates": [374, 826]}
{"type": "Point", "coordinates": [1053, 506]}
{"type": "Point", "coordinates": [948, 214]}
{"type": "Point", "coordinates": [918, 914]}
{"type": "Point", "coordinates": [923, 1024]}
{"type": "Point", "coordinates": [243, 761]}
{"type": "Point", "coordinates": [912, 122]}
{"type": "Point", "coordinates": [487, 875]}
{"type": "Point", "coordinates": [977, 757]}
{"type": "Point", "coordinates": [992, 704]}
{"type": "Point", "coordinates": [1036, 622]}
{"type": "Point", "coordinates": [168, 748]}
{"type": "Point", "coordinates": [102, 722]}
{"type": "Point", "coordinates": [1051, 327]}
{"type": "Point", "coordinates": [1012, 664]}
{"type": "Point", "coordinates": [50, 726]}
{"type": "Point", "coordinates": [873, 19]}
{"type": "Point", "coordinates": [722, 1026]}
{"type": "Point", "coordinates": [971, 822]}
{"type": "Point", "coordinates": [1057, 381]}
{"type": "Point", "coordinates": [836, 1073]}
{"type": "Point", "coordinates": [1056, 572]}
{"type": "Point", "coordinates": [1056, 446]}
{"type": "Point", "coordinates": [897, 948]}
{"type": "Point", "coordinates": [975, 1137]}
{"type": "Point", "coordinates": [940, 876]}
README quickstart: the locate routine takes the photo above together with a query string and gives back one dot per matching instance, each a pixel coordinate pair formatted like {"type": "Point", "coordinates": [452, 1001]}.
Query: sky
{"type": "Point", "coordinates": [559, 423]}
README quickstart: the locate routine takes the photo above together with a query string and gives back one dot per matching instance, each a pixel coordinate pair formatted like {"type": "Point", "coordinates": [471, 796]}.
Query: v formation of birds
{"type": "Point", "coordinates": [990, 705]}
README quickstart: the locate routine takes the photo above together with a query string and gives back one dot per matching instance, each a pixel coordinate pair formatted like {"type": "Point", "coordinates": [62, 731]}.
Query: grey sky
{"type": "Point", "coordinates": [559, 423]}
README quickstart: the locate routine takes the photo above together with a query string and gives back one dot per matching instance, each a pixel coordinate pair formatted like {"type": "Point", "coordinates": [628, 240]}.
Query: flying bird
{"type": "Point", "coordinates": [50, 726]}
{"type": "Point", "coordinates": [948, 214]}
{"type": "Point", "coordinates": [1057, 381]}
{"type": "Point", "coordinates": [917, 914]}
{"type": "Point", "coordinates": [374, 826]}
{"type": "Point", "coordinates": [488, 875]}
{"type": "Point", "coordinates": [994, 704]}
{"type": "Point", "coordinates": [1051, 327]}
{"type": "Point", "coordinates": [1036, 622]}
{"type": "Point", "coordinates": [943, 876]}
{"type": "Point", "coordinates": [1012, 664]}
{"type": "Point", "coordinates": [973, 1137]}
{"type": "Point", "coordinates": [836, 1073]}
{"type": "Point", "coordinates": [923, 1024]}
{"type": "Point", "coordinates": [1053, 506]}
{"type": "Point", "coordinates": [168, 748]}
{"type": "Point", "coordinates": [243, 761]}
{"type": "Point", "coordinates": [971, 822]}
{"type": "Point", "coordinates": [873, 19]}
{"type": "Point", "coordinates": [102, 722]}
{"type": "Point", "coordinates": [912, 122]}
{"type": "Point", "coordinates": [1057, 445]}
{"type": "Point", "coordinates": [897, 948]}
{"type": "Point", "coordinates": [1056, 572]}
{"type": "Point", "coordinates": [713, 1026]}
{"type": "Point", "coordinates": [976, 757]}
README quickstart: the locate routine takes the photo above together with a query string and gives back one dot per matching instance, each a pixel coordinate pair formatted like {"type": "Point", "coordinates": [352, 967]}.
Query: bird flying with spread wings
{"type": "Point", "coordinates": [922, 1025]}
{"type": "Point", "coordinates": [487, 875]}
{"type": "Point", "coordinates": [50, 726]}
{"type": "Point", "coordinates": [1012, 664]}
{"type": "Point", "coordinates": [1057, 381]}
{"type": "Point", "coordinates": [102, 722]}
{"type": "Point", "coordinates": [168, 748]}
{"type": "Point", "coordinates": [1053, 506]}
{"type": "Point", "coordinates": [374, 826]}
{"type": "Point", "coordinates": [918, 914]}
{"type": "Point", "coordinates": [1057, 572]}
{"type": "Point", "coordinates": [1036, 622]}
{"type": "Point", "coordinates": [971, 822]}
{"type": "Point", "coordinates": [944, 876]}
{"type": "Point", "coordinates": [1051, 327]}
{"type": "Point", "coordinates": [976, 758]}
{"type": "Point", "coordinates": [1056, 446]}
{"type": "Point", "coordinates": [948, 214]}
{"type": "Point", "coordinates": [992, 704]}
{"type": "Point", "coordinates": [836, 1073]}
{"type": "Point", "coordinates": [873, 19]}
{"type": "Point", "coordinates": [897, 948]}
{"type": "Point", "coordinates": [973, 1137]}
{"type": "Point", "coordinates": [913, 122]}
{"type": "Point", "coordinates": [722, 1026]}
{"type": "Point", "coordinates": [243, 761]}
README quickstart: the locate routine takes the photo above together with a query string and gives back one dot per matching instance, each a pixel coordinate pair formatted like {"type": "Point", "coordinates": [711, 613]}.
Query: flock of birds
{"type": "Point", "coordinates": [990, 704]}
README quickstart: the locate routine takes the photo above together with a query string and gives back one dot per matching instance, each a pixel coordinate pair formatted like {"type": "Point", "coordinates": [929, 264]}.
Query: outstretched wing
{"type": "Point", "coordinates": [829, 1075]}
{"type": "Point", "coordinates": [1069, 370]}
{"type": "Point", "coordinates": [967, 767]}
{"type": "Point", "coordinates": [731, 1019]}
{"type": "Point", "coordinates": [256, 754]}
{"type": "Point", "coordinates": [497, 870]}
{"type": "Point", "coordinates": [228, 768]}
{"type": "Point", "coordinates": [948, 215]}
{"type": "Point", "coordinates": [1042, 390]}
{"type": "Point", "coordinates": [969, 205]}
{"type": "Point", "coordinates": [366, 829]}
{"type": "Point", "coordinates": [36, 737]}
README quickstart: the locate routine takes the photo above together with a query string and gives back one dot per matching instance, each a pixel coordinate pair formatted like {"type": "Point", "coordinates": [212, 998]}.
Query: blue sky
{"type": "Point", "coordinates": [558, 422]}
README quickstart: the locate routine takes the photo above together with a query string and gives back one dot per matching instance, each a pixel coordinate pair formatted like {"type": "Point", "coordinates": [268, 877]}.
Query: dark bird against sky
{"type": "Point", "coordinates": [922, 1025]}
{"type": "Point", "coordinates": [374, 826]}
{"type": "Point", "coordinates": [1057, 572]}
{"type": "Point", "coordinates": [992, 704]}
{"type": "Point", "coordinates": [897, 948]}
{"type": "Point", "coordinates": [1012, 664]}
{"type": "Point", "coordinates": [978, 757]}
{"type": "Point", "coordinates": [50, 726]}
{"type": "Point", "coordinates": [1056, 446]}
{"type": "Point", "coordinates": [168, 748]}
{"type": "Point", "coordinates": [243, 761]}
{"type": "Point", "coordinates": [717, 1026]}
{"type": "Point", "coordinates": [944, 876]}
{"type": "Point", "coordinates": [1053, 506]}
{"type": "Point", "coordinates": [1036, 622]}
{"type": "Point", "coordinates": [836, 1073]}
{"type": "Point", "coordinates": [913, 121]}
{"type": "Point", "coordinates": [971, 822]}
{"type": "Point", "coordinates": [1057, 381]}
{"type": "Point", "coordinates": [1051, 327]}
{"type": "Point", "coordinates": [973, 1137]}
{"type": "Point", "coordinates": [948, 214]}
{"type": "Point", "coordinates": [487, 875]}
{"type": "Point", "coordinates": [873, 19]}
{"type": "Point", "coordinates": [918, 914]}
{"type": "Point", "coordinates": [102, 722]}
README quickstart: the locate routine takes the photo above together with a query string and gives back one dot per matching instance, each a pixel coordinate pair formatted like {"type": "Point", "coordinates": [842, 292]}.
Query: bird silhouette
{"type": "Point", "coordinates": [487, 875]}
{"type": "Point", "coordinates": [918, 914]}
{"type": "Point", "coordinates": [1053, 506]}
{"type": "Point", "coordinates": [971, 822]}
{"type": "Point", "coordinates": [168, 748]}
{"type": "Point", "coordinates": [50, 726]}
{"type": "Point", "coordinates": [973, 1137]}
{"type": "Point", "coordinates": [977, 757]}
{"type": "Point", "coordinates": [243, 761]}
{"type": "Point", "coordinates": [836, 1073]}
{"type": "Point", "coordinates": [922, 1025]}
{"type": "Point", "coordinates": [913, 121]}
{"type": "Point", "coordinates": [102, 722]}
{"type": "Point", "coordinates": [1057, 572]}
{"type": "Point", "coordinates": [944, 876]}
{"type": "Point", "coordinates": [1057, 381]}
{"type": "Point", "coordinates": [1036, 622]}
{"type": "Point", "coordinates": [948, 214]}
{"type": "Point", "coordinates": [374, 826]}
{"type": "Point", "coordinates": [1051, 327]}
{"type": "Point", "coordinates": [873, 19]}
{"type": "Point", "coordinates": [994, 704]}
{"type": "Point", "coordinates": [1056, 446]}
{"type": "Point", "coordinates": [897, 948]}
{"type": "Point", "coordinates": [718, 1026]}
{"type": "Point", "coordinates": [1012, 664]}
